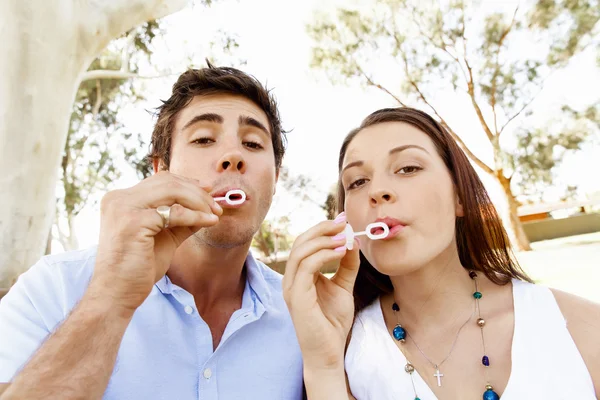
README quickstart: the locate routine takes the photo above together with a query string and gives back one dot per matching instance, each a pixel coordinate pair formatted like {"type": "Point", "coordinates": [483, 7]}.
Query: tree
{"type": "Point", "coordinates": [449, 47]}
{"type": "Point", "coordinates": [330, 205]}
{"type": "Point", "coordinates": [540, 151]}
{"type": "Point", "coordinates": [273, 236]}
{"type": "Point", "coordinates": [89, 162]}
{"type": "Point", "coordinates": [48, 47]}
{"type": "Point", "coordinates": [98, 146]}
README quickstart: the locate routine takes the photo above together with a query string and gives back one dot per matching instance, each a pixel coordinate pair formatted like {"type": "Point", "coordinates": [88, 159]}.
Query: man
{"type": "Point", "coordinates": [171, 304]}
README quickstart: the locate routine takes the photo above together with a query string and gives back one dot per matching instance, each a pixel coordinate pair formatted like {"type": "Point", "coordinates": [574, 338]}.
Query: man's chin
{"type": "Point", "coordinates": [225, 238]}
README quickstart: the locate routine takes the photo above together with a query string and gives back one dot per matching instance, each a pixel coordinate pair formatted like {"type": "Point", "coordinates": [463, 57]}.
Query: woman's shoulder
{"type": "Point", "coordinates": [583, 321]}
{"type": "Point", "coordinates": [582, 318]}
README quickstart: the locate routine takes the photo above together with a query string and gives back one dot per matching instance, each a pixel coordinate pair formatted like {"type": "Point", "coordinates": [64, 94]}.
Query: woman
{"type": "Point", "coordinates": [438, 309]}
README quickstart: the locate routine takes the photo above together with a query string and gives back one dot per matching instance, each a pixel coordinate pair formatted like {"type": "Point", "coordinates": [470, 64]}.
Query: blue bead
{"type": "Point", "coordinates": [399, 333]}
{"type": "Point", "coordinates": [486, 361]}
{"type": "Point", "coordinates": [490, 395]}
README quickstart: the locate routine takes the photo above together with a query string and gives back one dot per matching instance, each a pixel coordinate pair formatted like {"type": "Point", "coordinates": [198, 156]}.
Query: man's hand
{"type": "Point", "coordinates": [134, 250]}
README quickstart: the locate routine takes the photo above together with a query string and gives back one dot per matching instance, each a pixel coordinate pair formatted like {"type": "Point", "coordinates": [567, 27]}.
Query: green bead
{"type": "Point", "coordinates": [477, 295]}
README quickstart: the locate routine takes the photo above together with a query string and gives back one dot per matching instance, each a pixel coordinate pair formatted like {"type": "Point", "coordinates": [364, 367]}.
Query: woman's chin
{"type": "Point", "coordinates": [395, 265]}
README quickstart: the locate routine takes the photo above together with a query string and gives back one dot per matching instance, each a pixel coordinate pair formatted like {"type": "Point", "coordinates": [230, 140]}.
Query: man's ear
{"type": "Point", "coordinates": [276, 180]}
{"type": "Point", "coordinates": [158, 165]}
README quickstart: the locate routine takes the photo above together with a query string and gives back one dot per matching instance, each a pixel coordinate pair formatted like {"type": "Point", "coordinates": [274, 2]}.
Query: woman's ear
{"type": "Point", "coordinates": [459, 210]}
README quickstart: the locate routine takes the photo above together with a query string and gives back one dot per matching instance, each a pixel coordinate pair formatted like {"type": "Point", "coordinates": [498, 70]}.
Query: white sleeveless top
{"type": "Point", "coordinates": [546, 364]}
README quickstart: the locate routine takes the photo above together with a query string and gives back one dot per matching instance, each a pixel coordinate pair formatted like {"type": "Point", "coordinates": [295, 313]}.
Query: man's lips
{"type": "Point", "coordinates": [222, 192]}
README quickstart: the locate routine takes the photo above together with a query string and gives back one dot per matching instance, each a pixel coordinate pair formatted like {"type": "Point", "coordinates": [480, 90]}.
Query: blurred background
{"type": "Point", "coordinates": [516, 83]}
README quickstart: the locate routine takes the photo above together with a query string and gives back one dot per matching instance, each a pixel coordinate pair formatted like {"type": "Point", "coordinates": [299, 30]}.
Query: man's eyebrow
{"type": "Point", "coordinates": [249, 121]}
{"type": "Point", "coordinates": [208, 117]}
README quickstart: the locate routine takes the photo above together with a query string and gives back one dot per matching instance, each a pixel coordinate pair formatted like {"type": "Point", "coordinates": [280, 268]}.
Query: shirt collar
{"type": "Point", "coordinates": [254, 278]}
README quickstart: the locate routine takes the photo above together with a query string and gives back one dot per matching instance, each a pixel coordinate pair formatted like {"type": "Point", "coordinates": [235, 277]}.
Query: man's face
{"type": "Point", "coordinates": [224, 142]}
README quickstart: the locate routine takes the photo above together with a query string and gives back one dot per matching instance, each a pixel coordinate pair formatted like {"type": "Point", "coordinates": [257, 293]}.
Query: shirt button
{"type": "Point", "coordinates": [207, 373]}
{"type": "Point", "coordinates": [188, 309]}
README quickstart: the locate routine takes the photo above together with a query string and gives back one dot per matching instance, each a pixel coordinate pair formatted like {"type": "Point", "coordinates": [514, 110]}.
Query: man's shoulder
{"type": "Point", "coordinates": [271, 277]}
{"type": "Point", "coordinates": [266, 283]}
{"type": "Point", "coordinates": [72, 265]}
{"type": "Point", "coordinates": [269, 273]}
{"type": "Point", "coordinates": [71, 258]}
{"type": "Point", "coordinates": [64, 272]}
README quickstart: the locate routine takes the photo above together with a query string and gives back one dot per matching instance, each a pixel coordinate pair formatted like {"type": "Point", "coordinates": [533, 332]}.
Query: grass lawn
{"type": "Point", "coordinates": [571, 264]}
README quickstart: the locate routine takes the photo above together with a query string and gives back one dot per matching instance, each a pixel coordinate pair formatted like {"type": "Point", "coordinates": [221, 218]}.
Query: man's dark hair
{"type": "Point", "coordinates": [207, 81]}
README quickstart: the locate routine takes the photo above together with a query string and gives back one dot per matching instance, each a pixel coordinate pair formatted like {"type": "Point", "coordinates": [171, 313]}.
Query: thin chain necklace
{"type": "Point", "coordinates": [399, 333]}
{"type": "Point", "coordinates": [436, 366]}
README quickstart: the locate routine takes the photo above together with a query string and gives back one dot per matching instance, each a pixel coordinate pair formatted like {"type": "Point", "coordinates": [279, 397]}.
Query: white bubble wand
{"type": "Point", "coordinates": [233, 197]}
{"type": "Point", "coordinates": [350, 234]}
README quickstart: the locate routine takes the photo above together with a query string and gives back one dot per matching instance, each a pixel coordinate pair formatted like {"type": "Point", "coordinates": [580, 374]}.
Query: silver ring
{"type": "Point", "coordinates": [164, 212]}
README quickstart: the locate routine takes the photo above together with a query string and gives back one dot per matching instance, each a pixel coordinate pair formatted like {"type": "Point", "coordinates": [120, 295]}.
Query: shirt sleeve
{"type": "Point", "coordinates": [29, 312]}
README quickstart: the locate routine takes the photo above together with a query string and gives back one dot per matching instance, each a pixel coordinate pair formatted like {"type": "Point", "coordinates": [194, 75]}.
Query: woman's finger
{"type": "Point", "coordinates": [303, 250]}
{"type": "Point", "coordinates": [345, 276]}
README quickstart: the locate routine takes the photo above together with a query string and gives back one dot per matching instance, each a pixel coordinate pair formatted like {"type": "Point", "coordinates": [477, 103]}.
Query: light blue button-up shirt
{"type": "Point", "coordinates": [167, 351]}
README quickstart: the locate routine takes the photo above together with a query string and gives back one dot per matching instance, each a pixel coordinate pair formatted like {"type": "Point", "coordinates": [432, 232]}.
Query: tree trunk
{"type": "Point", "coordinates": [47, 46]}
{"type": "Point", "coordinates": [73, 242]}
{"type": "Point", "coordinates": [521, 241]}
{"type": "Point", "coordinates": [49, 243]}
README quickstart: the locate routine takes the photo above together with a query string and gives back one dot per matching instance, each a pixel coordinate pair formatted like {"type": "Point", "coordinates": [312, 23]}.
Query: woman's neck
{"type": "Point", "coordinates": [437, 294]}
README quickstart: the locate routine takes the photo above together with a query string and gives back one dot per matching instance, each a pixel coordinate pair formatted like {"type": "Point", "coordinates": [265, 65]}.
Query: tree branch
{"type": "Point", "coordinates": [520, 111]}
{"type": "Point", "coordinates": [471, 85]}
{"type": "Point", "coordinates": [378, 86]}
{"type": "Point", "coordinates": [105, 20]}
{"type": "Point", "coordinates": [440, 46]}
{"type": "Point", "coordinates": [117, 74]}
{"type": "Point", "coordinates": [497, 70]}
{"type": "Point", "coordinates": [98, 103]}
{"type": "Point", "coordinates": [458, 140]}
{"type": "Point", "coordinates": [127, 50]}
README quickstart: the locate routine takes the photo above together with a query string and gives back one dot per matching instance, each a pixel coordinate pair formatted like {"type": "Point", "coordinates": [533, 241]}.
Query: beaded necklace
{"type": "Point", "coordinates": [399, 333]}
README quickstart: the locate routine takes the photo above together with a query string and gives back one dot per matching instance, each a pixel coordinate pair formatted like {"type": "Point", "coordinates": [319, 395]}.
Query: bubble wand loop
{"type": "Point", "coordinates": [350, 234]}
{"type": "Point", "coordinates": [233, 193]}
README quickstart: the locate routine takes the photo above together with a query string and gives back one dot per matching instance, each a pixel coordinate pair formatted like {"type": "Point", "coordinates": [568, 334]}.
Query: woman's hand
{"type": "Point", "coordinates": [322, 309]}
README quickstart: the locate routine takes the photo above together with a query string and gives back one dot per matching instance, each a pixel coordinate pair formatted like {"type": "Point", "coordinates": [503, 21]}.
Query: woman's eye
{"type": "Point", "coordinates": [356, 184]}
{"type": "Point", "coordinates": [408, 170]}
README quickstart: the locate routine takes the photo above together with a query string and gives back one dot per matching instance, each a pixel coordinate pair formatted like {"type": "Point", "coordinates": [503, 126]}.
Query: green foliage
{"type": "Point", "coordinates": [574, 19]}
{"type": "Point", "coordinates": [273, 237]}
{"type": "Point", "coordinates": [330, 206]}
{"type": "Point", "coordinates": [95, 134]}
{"type": "Point", "coordinates": [539, 155]}
{"type": "Point", "coordinates": [452, 46]}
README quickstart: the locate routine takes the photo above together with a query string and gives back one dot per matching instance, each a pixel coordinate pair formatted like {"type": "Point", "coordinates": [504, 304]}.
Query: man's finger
{"type": "Point", "coordinates": [172, 190]}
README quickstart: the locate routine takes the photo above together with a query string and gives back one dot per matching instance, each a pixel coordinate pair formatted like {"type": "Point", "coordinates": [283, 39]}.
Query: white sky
{"type": "Point", "coordinates": [273, 41]}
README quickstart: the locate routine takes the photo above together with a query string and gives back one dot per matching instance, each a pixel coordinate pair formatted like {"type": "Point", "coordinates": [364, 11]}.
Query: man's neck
{"type": "Point", "coordinates": [214, 276]}
{"type": "Point", "coordinates": [438, 294]}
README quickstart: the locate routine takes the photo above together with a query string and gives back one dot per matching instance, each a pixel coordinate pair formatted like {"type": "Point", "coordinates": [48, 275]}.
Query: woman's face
{"type": "Point", "coordinates": [393, 172]}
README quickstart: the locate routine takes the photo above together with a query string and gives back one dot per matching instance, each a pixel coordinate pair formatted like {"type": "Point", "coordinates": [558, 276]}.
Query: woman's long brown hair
{"type": "Point", "coordinates": [482, 242]}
